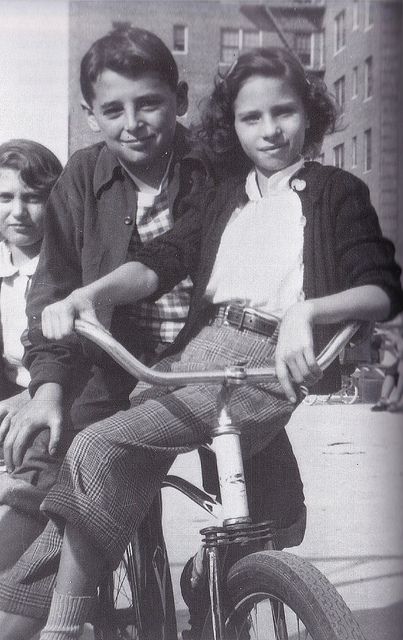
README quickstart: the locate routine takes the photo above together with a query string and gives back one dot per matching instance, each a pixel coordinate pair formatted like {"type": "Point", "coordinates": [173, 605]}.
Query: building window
{"type": "Point", "coordinates": [249, 39]}
{"type": "Point", "coordinates": [338, 156]}
{"type": "Point", "coordinates": [369, 14]}
{"type": "Point", "coordinates": [321, 49]}
{"type": "Point", "coordinates": [180, 37]}
{"type": "Point", "coordinates": [233, 41]}
{"type": "Point", "coordinates": [367, 150]}
{"type": "Point", "coordinates": [340, 92]}
{"type": "Point", "coordinates": [354, 151]}
{"type": "Point", "coordinates": [339, 31]}
{"type": "Point", "coordinates": [368, 78]}
{"type": "Point", "coordinates": [303, 47]}
{"type": "Point", "coordinates": [355, 15]}
{"type": "Point", "coordinates": [229, 45]}
{"type": "Point", "coordinates": [354, 84]}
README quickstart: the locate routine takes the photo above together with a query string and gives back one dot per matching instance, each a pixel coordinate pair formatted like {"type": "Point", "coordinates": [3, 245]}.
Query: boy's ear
{"type": "Point", "coordinates": [182, 101]}
{"type": "Point", "coordinates": [91, 119]}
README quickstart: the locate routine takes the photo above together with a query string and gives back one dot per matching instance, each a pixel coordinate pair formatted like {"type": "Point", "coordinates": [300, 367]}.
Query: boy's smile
{"type": "Point", "coordinates": [137, 118]}
{"type": "Point", "coordinates": [21, 210]}
{"type": "Point", "coordinates": [270, 123]}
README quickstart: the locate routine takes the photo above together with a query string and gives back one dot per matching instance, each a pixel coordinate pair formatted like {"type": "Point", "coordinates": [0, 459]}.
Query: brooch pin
{"type": "Point", "coordinates": [297, 184]}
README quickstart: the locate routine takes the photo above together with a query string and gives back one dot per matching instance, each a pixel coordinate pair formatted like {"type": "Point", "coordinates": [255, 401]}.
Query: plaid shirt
{"type": "Point", "coordinates": [165, 317]}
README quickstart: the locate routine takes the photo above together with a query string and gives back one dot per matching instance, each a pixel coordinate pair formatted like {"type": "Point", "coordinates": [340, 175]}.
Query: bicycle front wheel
{"type": "Point", "coordinates": [278, 596]}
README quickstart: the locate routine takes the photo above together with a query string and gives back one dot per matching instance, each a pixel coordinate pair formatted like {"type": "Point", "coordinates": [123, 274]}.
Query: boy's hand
{"type": "Point", "coordinates": [295, 357]}
{"type": "Point", "coordinates": [58, 318]}
{"type": "Point", "coordinates": [44, 411]}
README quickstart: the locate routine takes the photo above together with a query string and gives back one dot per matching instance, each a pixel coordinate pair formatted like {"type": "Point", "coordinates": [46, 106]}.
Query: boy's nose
{"type": "Point", "coordinates": [132, 121]}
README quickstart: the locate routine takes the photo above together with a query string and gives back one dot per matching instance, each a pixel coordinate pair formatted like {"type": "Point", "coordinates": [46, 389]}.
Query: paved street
{"type": "Point", "coordinates": [351, 462]}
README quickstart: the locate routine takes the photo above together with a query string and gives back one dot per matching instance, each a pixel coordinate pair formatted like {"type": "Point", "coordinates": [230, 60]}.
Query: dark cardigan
{"type": "Point", "coordinates": [343, 246]}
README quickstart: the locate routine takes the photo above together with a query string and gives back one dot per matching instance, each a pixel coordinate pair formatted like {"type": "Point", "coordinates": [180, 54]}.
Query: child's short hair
{"type": "Point", "coordinates": [218, 115]}
{"type": "Point", "coordinates": [39, 168]}
{"type": "Point", "coordinates": [129, 51]}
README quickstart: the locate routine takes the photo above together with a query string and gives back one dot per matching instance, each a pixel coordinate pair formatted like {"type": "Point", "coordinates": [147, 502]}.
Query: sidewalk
{"type": "Point", "coordinates": [351, 462]}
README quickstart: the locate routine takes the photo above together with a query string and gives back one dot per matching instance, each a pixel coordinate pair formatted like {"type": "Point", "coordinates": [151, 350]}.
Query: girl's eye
{"type": "Point", "coordinates": [34, 199]}
{"type": "Point", "coordinates": [250, 118]}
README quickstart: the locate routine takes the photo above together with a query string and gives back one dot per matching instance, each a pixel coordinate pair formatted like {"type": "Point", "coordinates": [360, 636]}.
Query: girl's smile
{"type": "Point", "coordinates": [270, 122]}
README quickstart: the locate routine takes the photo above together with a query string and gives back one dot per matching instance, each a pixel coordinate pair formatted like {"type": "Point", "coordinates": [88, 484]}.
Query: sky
{"type": "Point", "coordinates": [34, 72]}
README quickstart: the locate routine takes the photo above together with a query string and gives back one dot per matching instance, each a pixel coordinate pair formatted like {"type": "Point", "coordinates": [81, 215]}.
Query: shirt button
{"type": "Point", "coordinates": [128, 220]}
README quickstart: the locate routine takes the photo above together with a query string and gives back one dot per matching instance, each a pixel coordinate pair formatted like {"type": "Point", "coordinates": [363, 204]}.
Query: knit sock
{"type": "Point", "coordinates": [67, 616]}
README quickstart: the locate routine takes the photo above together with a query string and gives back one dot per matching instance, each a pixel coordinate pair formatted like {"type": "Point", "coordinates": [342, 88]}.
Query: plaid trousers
{"type": "Point", "coordinates": [115, 468]}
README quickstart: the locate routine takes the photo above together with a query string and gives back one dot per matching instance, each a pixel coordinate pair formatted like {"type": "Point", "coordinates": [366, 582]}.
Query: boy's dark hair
{"type": "Point", "coordinates": [130, 52]}
{"type": "Point", "coordinates": [39, 168]}
{"type": "Point", "coordinates": [217, 117]}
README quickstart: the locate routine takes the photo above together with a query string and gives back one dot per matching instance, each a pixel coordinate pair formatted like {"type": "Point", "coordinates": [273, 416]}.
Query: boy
{"type": "Point", "coordinates": [112, 198]}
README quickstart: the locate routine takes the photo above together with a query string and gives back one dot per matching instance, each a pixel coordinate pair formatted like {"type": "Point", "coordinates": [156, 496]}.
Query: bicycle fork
{"type": "Point", "coordinates": [237, 529]}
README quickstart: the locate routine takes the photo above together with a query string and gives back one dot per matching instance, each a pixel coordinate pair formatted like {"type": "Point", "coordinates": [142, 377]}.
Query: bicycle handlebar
{"type": "Point", "coordinates": [234, 374]}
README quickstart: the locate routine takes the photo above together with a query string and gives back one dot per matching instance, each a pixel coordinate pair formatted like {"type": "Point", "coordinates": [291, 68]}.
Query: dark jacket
{"type": "Point", "coordinates": [86, 236]}
{"type": "Point", "coordinates": [343, 246]}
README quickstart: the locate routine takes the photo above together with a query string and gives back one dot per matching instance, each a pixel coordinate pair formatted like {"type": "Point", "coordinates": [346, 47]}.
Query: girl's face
{"type": "Point", "coordinates": [21, 210]}
{"type": "Point", "coordinates": [270, 122]}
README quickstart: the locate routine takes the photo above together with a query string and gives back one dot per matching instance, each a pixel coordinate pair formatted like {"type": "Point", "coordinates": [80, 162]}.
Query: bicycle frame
{"type": "Point", "coordinates": [237, 525]}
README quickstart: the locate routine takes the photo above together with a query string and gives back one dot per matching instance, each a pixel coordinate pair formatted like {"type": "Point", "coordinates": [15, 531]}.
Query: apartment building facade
{"type": "Point", "coordinates": [356, 45]}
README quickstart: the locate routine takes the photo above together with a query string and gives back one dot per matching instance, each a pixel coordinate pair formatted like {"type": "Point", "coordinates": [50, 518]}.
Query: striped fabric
{"type": "Point", "coordinates": [114, 468]}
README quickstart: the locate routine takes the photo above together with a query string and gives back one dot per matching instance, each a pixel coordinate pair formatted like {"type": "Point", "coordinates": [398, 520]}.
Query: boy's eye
{"type": "Point", "coordinates": [5, 197]}
{"type": "Point", "coordinates": [112, 112]}
{"type": "Point", "coordinates": [150, 104]}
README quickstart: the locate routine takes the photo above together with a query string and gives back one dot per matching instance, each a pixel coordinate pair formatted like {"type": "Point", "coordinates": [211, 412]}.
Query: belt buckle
{"type": "Point", "coordinates": [238, 325]}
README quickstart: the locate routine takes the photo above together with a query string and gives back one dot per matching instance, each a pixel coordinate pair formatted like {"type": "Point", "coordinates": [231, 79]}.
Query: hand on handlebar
{"type": "Point", "coordinates": [58, 318]}
{"type": "Point", "coordinates": [295, 358]}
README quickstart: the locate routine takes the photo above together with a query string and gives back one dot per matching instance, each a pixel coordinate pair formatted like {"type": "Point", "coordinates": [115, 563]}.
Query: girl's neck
{"type": "Point", "coordinates": [20, 255]}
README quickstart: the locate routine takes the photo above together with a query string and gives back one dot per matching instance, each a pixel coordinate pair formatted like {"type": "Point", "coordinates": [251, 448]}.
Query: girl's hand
{"type": "Point", "coordinates": [43, 411]}
{"type": "Point", "coordinates": [58, 318]}
{"type": "Point", "coordinates": [295, 357]}
{"type": "Point", "coordinates": [9, 408]}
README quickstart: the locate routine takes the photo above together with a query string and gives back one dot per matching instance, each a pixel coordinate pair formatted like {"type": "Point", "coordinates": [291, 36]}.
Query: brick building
{"type": "Point", "coordinates": [355, 44]}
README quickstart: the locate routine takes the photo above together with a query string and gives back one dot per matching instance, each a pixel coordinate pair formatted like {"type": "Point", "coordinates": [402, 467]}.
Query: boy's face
{"type": "Point", "coordinates": [21, 210]}
{"type": "Point", "coordinates": [137, 117]}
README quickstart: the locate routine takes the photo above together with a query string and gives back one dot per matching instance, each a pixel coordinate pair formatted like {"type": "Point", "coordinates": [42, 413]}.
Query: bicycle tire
{"type": "Point", "coordinates": [282, 579]}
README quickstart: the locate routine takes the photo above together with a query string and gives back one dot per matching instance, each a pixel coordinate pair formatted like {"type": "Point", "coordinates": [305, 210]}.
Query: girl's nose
{"type": "Point", "coordinates": [271, 129]}
{"type": "Point", "coordinates": [19, 208]}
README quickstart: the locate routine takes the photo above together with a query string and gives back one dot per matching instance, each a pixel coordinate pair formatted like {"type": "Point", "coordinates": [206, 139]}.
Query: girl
{"type": "Point", "coordinates": [28, 171]}
{"type": "Point", "coordinates": [281, 247]}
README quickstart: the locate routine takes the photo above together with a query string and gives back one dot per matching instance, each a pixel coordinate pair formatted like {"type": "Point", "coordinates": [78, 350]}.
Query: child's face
{"type": "Point", "coordinates": [137, 117]}
{"type": "Point", "coordinates": [21, 210]}
{"type": "Point", "coordinates": [270, 122]}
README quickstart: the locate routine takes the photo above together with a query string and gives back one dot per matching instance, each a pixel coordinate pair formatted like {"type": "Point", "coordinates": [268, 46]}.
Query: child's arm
{"type": "Point", "coordinates": [295, 357]}
{"type": "Point", "coordinates": [127, 284]}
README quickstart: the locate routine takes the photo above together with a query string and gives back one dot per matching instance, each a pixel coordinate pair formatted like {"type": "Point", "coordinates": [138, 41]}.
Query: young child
{"type": "Point", "coordinates": [113, 198]}
{"type": "Point", "coordinates": [296, 241]}
{"type": "Point", "coordinates": [28, 171]}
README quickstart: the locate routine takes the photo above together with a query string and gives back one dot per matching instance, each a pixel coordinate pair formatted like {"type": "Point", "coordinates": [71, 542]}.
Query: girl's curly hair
{"type": "Point", "coordinates": [217, 114]}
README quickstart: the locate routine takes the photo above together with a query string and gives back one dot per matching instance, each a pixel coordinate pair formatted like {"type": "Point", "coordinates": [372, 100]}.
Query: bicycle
{"type": "Point", "coordinates": [255, 591]}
